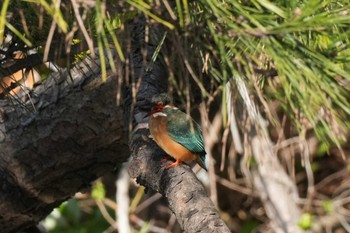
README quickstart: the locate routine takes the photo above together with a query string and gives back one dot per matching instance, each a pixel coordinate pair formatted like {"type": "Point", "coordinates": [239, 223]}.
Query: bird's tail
{"type": "Point", "coordinates": [201, 161]}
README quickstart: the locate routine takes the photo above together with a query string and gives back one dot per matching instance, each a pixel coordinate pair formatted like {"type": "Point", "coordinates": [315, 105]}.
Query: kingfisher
{"type": "Point", "coordinates": [177, 134]}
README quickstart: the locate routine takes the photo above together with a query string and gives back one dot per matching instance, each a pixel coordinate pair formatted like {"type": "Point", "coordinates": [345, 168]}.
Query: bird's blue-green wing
{"type": "Point", "coordinates": [185, 131]}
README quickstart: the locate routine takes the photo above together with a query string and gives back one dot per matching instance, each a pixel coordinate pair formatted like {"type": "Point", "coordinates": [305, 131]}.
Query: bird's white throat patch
{"type": "Point", "coordinates": [159, 114]}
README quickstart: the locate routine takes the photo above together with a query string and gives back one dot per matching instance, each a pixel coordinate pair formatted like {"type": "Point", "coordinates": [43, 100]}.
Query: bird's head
{"type": "Point", "coordinates": [161, 99]}
{"type": "Point", "coordinates": [159, 102]}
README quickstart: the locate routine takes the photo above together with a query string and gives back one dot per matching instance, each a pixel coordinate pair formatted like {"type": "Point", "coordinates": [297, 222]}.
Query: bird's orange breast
{"type": "Point", "coordinates": [158, 129]}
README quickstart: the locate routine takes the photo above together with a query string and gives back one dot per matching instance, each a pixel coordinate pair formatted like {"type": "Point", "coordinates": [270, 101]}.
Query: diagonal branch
{"type": "Point", "coordinates": [185, 195]}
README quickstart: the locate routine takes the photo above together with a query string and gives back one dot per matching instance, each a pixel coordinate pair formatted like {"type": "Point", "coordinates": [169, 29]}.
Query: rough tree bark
{"type": "Point", "coordinates": [68, 133]}
{"type": "Point", "coordinates": [185, 195]}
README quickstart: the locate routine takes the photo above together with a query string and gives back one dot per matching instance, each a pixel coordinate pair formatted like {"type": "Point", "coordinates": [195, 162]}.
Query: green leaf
{"type": "Point", "coordinates": [18, 34]}
{"type": "Point", "coordinates": [315, 166]}
{"type": "Point", "coordinates": [328, 206]}
{"type": "Point", "coordinates": [323, 148]}
{"type": "Point", "coordinates": [141, 7]}
{"type": "Point", "coordinates": [272, 7]}
{"type": "Point", "coordinates": [71, 211]}
{"type": "Point", "coordinates": [3, 19]}
{"type": "Point", "coordinates": [249, 225]}
{"type": "Point", "coordinates": [98, 191]}
{"type": "Point", "coordinates": [305, 221]}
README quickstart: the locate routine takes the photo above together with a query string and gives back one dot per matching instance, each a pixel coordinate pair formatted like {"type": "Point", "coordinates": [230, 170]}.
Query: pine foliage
{"type": "Point", "coordinates": [296, 52]}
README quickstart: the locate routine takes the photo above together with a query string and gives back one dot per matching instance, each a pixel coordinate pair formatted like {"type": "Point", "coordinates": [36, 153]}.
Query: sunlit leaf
{"type": "Point", "coordinates": [98, 191]}
{"type": "Point", "coordinates": [305, 221]}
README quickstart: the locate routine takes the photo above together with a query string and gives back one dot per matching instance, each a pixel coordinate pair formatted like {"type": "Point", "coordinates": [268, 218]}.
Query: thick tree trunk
{"type": "Point", "coordinates": [186, 196]}
{"type": "Point", "coordinates": [68, 133]}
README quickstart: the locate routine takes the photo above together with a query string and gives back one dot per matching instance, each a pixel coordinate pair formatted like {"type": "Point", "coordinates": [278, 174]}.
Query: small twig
{"type": "Point", "coordinates": [306, 159]}
{"type": "Point", "coordinates": [234, 186]}
{"type": "Point", "coordinates": [188, 94]}
{"type": "Point", "coordinates": [261, 96]}
{"type": "Point", "coordinates": [69, 38]}
{"type": "Point", "coordinates": [169, 9]}
{"type": "Point", "coordinates": [323, 223]}
{"type": "Point", "coordinates": [50, 35]}
{"type": "Point", "coordinates": [41, 17]}
{"type": "Point", "coordinates": [139, 222]}
{"type": "Point", "coordinates": [122, 197]}
{"type": "Point", "coordinates": [231, 163]}
{"type": "Point", "coordinates": [148, 202]}
{"type": "Point", "coordinates": [24, 22]}
{"type": "Point", "coordinates": [343, 194]}
{"type": "Point", "coordinates": [331, 177]}
{"type": "Point", "coordinates": [110, 203]}
{"type": "Point", "coordinates": [342, 211]}
{"type": "Point", "coordinates": [344, 223]}
{"type": "Point", "coordinates": [192, 73]}
{"type": "Point", "coordinates": [83, 29]}
{"type": "Point", "coordinates": [232, 119]}
{"type": "Point", "coordinates": [105, 214]}
{"type": "Point", "coordinates": [171, 223]}
{"type": "Point", "coordinates": [49, 41]}
{"type": "Point", "coordinates": [210, 139]}
{"type": "Point", "coordinates": [205, 65]}
{"type": "Point", "coordinates": [110, 229]}
{"type": "Point", "coordinates": [280, 134]}
{"type": "Point", "coordinates": [341, 202]}
{"type": "Point", "coordinates": [224, 145]}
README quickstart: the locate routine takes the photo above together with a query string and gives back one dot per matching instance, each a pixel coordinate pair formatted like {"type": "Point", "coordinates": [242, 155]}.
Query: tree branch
{"type": "Point", "coordinates": [185, 195]}
{"type": "Point", "coordinates": [68, 133]}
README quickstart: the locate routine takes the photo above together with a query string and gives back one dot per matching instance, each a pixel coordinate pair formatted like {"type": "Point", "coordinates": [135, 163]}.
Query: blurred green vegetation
{"type": "Point", "coordinates": [70, 218]}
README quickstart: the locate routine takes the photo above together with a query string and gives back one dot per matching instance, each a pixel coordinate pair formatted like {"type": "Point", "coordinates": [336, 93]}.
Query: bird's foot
{"type": "Point", "coordinates": [177, 162]}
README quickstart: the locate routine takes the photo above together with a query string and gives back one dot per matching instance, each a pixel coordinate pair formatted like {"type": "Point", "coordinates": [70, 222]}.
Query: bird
{"type": "Point", "coordinates": [177, 134]}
